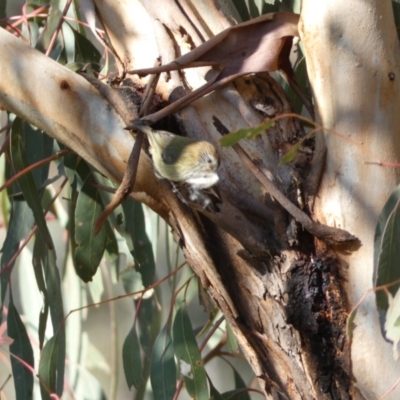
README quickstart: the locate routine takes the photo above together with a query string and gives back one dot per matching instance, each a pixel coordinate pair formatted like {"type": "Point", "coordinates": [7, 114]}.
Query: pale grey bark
{"type": "Point", "coordinates": [351, 49]}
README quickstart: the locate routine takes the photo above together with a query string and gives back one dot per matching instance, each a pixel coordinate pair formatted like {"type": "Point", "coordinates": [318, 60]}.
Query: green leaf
{"type": "Point", "coordinates": [163, 369]}
{"type": "Point", "coordinates": [214, 394]}
{"type": "Point", "coordinates": [38, 146]}
{"type": "Point", "coordinates": [112, 247]}
{"type": "Point", "coordinates": [242, 9]}
{"type": "Point", "coordinates": [387, 250]}
{"type": "Point", "coordinates": [51, 26]}
{"type": "Point", "coordinates": [132, 360]}
{"type": "Point", "coordinates": [85, 51]}
{"type": "Point", "coordinates": [48, 262]}
{"type": "Point", "coordinates": [240, 384]}
{"type": "Point", "coordinates": [48, 368]}
{"type": "Point", "coordinates": [40, 2]}
{"type": "Point", "coordinates": [142, 247]}
{"type": "Point", "coordinates": [21, 348]}
{"type": "Point", "coordinates": [290, 155]}
{"type": "Point", "coordinates": [231, 341]}
{"type": "Point", "coordinates": [39, 275]}
{"type": "Point", "coordinates": [396, 13]}
{"type": "Point", "coordinates": [392, 327]}
{"type": "Point", "coordinates": [237, 394]}
{"type": "Point", "coordinates": [89, 247]}
{"type": "Point", "coordinates": [26, 182]}
{"type": "Point", "coordinates": [246, 133]}
{"type": "Point", "coordinates": [21, 222]}
{"type": "Point", "coordinates": [3, 14]}
{"type": "Point", "coordinates": [189, 357]}
{"type": "Point", "coordinates": [240, 392]}
{"type": "Point", "coordinates": [302, 79]}
{"type": "Point", "coordinates": [350, 324]}
{"type": "Point", "coordinates": [111, 243]}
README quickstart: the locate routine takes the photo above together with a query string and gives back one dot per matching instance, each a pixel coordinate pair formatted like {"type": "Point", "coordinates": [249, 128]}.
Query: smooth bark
{"type": "Point", "coordinates": [352, 49]}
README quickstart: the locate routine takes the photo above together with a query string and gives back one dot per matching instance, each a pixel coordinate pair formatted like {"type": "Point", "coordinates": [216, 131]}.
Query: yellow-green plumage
{"type": "Point", "coordinates": [182, 159]}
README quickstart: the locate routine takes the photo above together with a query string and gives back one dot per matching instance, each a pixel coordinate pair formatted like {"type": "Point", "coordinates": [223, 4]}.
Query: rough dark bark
{"type": "Point", "coordinates": [285, 303]}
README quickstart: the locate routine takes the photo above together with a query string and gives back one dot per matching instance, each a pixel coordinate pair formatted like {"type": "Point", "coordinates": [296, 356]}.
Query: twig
{"type": "Point", "coordinates": [58, 27]}
{"type": "Point", "coordinates": [126, 185]}
{"type": "Point", "coordinates": [31, 167]}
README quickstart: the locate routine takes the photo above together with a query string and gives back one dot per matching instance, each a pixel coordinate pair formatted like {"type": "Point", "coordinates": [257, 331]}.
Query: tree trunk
{"type": "Point", "coordinates": [284, 295]}
{"type": "Point", "coordinates": [353, 64]}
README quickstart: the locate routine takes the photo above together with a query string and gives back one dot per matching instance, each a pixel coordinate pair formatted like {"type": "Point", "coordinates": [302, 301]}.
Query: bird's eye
{"type": "Point", "coordinates": [209, 160]}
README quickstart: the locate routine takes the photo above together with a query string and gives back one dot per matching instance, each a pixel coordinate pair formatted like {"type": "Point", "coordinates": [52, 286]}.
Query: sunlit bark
{"type": "Point", "coordinates": [353, 62]}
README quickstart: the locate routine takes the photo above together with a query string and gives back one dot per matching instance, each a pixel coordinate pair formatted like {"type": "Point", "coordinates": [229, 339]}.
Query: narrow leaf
{"type": "Point", "coordinates": [246, 133]}
{"type": "Point", "coordinates": [237, 394]}
{"type": "Point", "coordinates": [21, 221]}
{"type": "Point", "coordinates": [142, 248]}
{"type": "Point", "coordinates": [241, 392]}
{"type": "Point", "coordinates": [189, 357]}
{"type": "Point", "coordinates": [231, 341]}
{"type": "Point", "coordinates": [214, 394]}
{"type": "Point", "coordinates": [47, 259]}
{"type": "Point", "coordinates": [302, 79]}
{"type": "Point", "coordinates": [51, 25]}
{"type": "Point", "coordinates": [132, 359]}
{"type": "Point", "coordinates": [27, 182]}
{"type": "Point", "coordinates": [48, 368]}
{"type": "Point", "coordinates": [85, 51]}
{"type": "Point", "coordinates": [350, 324]}
{"type": "Point", "coordinates": [37, 267]}
{"type": "Point", "coordinates": [3, 14]}
{"type": "Point", "coordinates": [89, 247]}
{"type": "Point", "coordinates": [239, 383]}
{"type": "Point", "coordinates": [387, 250]}
{"type": "Point", "coordinates": [21, 348]}
{"type": "Point", "coordinates": [290, 155]}
{"type": "Point", "coordinates": [163, 369]}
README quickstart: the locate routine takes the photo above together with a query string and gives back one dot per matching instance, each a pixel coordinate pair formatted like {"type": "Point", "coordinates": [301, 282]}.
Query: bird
{"type": "Point", "coordinates": [182, 159]}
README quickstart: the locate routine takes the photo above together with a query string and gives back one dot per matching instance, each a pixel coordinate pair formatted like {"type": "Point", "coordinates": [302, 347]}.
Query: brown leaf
{"type": "Point", "coordinates": [260, 45]}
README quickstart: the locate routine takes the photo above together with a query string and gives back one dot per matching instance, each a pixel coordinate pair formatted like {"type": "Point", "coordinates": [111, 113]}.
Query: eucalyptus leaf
{"type": "Point", "coordinates": [26, 181]}
{"type": "Point", "coordinates": [21, 222]}
{"type": "Point", "coordinates": [387, 251]}
{"type": "Point", "coordinates": [48, 262]}
{"type": "Point", "coordinates": [231, 340]}
{"type": "Point", "coordinates": [246, 133]}
{"type": "Point", "coordinates": [240, 392]}
{"type": "Point", "coordinates": [21, 351]}
{"type": "Point", "coordinates": [350, 324]}
{"type": "Point", "coordinates": [163, 369]}
{"type": "Point", "coordinates": [40, 281]}
{"type": "Point", "coordinates": [3, 8]}
{"type": "Point", "coordinates": [48, 368]}
{"type": "Point", "coordinates": [132, 359]}
{"type": "Point", "coordinates": [89, 247]}
{"type": "Point", "coordinates": [188, 355]}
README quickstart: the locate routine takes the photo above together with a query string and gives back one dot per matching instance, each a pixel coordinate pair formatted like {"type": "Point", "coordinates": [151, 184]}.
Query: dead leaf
{"type": "Point", "coordinates": [260, 45]}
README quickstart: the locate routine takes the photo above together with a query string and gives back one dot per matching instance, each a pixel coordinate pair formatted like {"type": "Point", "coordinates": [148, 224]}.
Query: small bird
{"type": "Point", "coordinates": [181, 159]}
